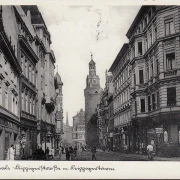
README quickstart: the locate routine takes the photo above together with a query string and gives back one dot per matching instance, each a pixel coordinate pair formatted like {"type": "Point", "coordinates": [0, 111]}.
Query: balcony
{"type": "Point", "coordinates": [170, 73]}
{"type": "Point", "coordinates": [26, 115]}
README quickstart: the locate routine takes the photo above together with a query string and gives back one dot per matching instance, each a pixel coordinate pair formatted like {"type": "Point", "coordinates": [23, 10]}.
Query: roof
{"type": "Point", "coordinates": [121, 53]}
{"type": "Point", "coordinates": [92, 62]}
{"type": "Point", "coordinates": [25, 20]}
{"type": "Point", "coordinates": [59, 81]}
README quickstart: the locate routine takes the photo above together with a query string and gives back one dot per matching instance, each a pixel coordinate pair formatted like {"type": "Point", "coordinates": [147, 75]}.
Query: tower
{"type": "Point", "coordinates": [92, 95]}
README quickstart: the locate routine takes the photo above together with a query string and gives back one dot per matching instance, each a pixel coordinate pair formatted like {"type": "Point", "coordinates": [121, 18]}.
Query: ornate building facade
{"type": "Point", "coordinates": [27, 89]}
{"type": "Point", "coordinates": [92, 94]}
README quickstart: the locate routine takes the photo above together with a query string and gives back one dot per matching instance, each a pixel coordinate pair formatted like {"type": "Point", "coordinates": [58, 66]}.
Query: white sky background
{"type": "Point", "coordinates": [74, 32]}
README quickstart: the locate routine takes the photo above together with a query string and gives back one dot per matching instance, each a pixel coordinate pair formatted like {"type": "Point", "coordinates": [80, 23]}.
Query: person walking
{"type": "Point", "coordinates": [52, 152]}
{"type": "Point", "coordinates": [93, 151]}
{"type": "Point", "coordinates": [60, 152]}
{"type": "Point", "coordinates": [67, 153]}
{"type": "Point", "coordinates": [47, 152]}
{"type": "Point", "coordinates": [150, 151]}
{"type": "Point", "coordinates": [75, 151]}
{"type": "Point", "coordinates": [11, 153]}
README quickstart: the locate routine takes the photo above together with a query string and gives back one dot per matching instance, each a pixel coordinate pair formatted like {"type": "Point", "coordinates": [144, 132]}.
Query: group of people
{"type": "Point", "coordinates": [71, 152]}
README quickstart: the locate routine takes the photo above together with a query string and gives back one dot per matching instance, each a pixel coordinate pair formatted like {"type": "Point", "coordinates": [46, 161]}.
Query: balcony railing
{"type": "Point", "coordinates": [170, 73]}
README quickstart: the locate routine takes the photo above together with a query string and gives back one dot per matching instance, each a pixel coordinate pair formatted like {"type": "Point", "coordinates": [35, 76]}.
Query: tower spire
{"type": "Point", "coordinates": [67, 120]}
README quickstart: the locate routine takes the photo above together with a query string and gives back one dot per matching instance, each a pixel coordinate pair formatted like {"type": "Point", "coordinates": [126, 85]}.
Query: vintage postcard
{"type": "Point", "coordinates": [89, 89]}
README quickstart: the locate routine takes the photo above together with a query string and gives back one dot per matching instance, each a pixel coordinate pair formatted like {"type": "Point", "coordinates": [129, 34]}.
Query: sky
{"type": "Point", "coordinates": [76, 31]}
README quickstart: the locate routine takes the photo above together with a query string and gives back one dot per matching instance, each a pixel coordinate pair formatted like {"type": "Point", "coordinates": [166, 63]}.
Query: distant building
{"type": "Point", "coordinates": [67, 130]}
{"type": "Point", "coordinates": [59, 110]}
{"type": "Point", "coordinates": [105, 114]}
{"type": "Point", "coordinates": [78, 134]}
{"type": "Point", "coordinates": [92, 94]}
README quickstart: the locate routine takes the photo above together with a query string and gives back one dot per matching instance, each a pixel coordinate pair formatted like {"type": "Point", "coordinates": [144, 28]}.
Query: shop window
{"type": "Point", "coordinates": [171, 96]}
{"type": "Point", "coordinates": [141, 77]}
{"type": "Point", "coordinates": [149, 103]}
{"type": "Point", "coordinates": [153, 101]}
{"type": "Point", "coordinates": [169, 26]}
{"type": "Point", "coordinates": [143, 105]}
{"type": "Point", "coordinates": [139, 48]}
{"type": "Point", "coordinates": [170, 61]}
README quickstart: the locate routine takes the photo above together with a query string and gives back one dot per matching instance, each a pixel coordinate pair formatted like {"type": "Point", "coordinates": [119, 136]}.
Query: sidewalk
{"type": "Point", "coordinates": [140, 156]}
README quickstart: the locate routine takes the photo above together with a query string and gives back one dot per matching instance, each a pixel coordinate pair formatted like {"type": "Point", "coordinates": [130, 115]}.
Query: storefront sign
{"type": "Point", "coordinates": [159, 130]}
{"type": "Point", "coordinates": [151, 131]}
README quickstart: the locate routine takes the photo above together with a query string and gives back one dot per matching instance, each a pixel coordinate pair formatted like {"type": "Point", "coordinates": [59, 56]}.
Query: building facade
{"type": "Point", "coordinates": [92, 94]}
{"type": "Point", "coordinates": [59, 111]}
{"type": "Point", "coordinates": [122, 108]}
{"type": "Point", "coordinates": [146, 80]}
{"type": "Point", "coordinates": [105, 114]}
{"type": "Point", "coordinates": [78, 134]}
{"type": "Point", "coordinates": [155, 60]}
{"type": "Point", "coordinates": [27, 89]}
{"type": "Point", "coordinates": [10, 71]}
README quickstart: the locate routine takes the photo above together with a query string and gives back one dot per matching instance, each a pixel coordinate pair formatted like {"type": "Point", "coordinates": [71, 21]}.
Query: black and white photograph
{"type": "Point", "coordinates": [95, 82]}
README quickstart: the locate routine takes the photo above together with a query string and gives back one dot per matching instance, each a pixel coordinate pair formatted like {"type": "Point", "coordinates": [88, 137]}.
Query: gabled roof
{"type": "Point", "coordinates": [121, 53]}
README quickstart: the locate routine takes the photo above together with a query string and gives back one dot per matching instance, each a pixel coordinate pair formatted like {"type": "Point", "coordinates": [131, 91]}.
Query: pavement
{"type": "Point", "coordinates": [113, 156]}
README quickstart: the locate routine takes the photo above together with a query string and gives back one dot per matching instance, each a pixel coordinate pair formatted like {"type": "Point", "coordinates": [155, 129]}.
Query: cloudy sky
{"type": "Point", "coordinates": [76, 31]}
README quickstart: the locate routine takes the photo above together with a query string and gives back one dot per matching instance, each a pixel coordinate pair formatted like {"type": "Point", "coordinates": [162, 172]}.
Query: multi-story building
{"type": "Point", "coordinates": [105, 114]}
{"type": "Point", "coordinates": [59, 110]}
{"type": "Point", "coordinates": [155, 60]}
{"type": "Point", "coordinates": [45, 79]}
{"type": "Point", "coordinates": [10, 71]}
{"type": "Point", "coordinates": [78, 134]}
{"type": "Point", "coordinates": [122, 111]}
{"type": "Point", "coordinates": [92, 94]}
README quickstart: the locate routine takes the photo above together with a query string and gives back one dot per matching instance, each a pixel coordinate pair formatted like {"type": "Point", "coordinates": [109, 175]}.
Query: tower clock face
{"type": "Point", "coordinates": [94, 81]}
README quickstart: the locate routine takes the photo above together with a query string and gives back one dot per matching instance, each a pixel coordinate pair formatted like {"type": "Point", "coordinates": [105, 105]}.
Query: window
{"type": "Point", "coordinates": [134, 79]}
{"type": "Point", "coordinates": [147, 73]}
{"type": "Point", "coordinates": [30, 76]}
{"type": "Point", "coordinates": [157, 96]}
{"type": "Point", "coordinates": [139, 48]}
{"type": "Point", "coordinates": [157, 67]}
{"type": "Point", "coordinates": [141, 77]}
{"type": "Point", "coordinates": [149, 14]}
{"type": "Point", "coordinates": [149, 103]}
{"type": "Point", "coordinates": [145, 22]}
{"type": "Point", "coordinates": [150, 39]}
{"type": "Point", "coordinates": [22, 100]}
{"type": "Point", "coordinates": [22, 62]}
{"type": "Point", "coordinates": [171, 96]}
{"type": "Point", "coordinates": [133, 52]}
{"type": "Point", "coordinates": [26, 103]}
{"type": "Point", "coordinates": [6, 99]}
{"type": "Point", "coordinates": [170, 60]}
{"type": "Point", "coordinates": [169, 26]}
{"type": "Point", "coordinates": [26, 69]}
{"type": "Point", "coordinates": [143, 105]}
{"type": "Point", "coordinates": [152, 70]}
{"type": "Point", "coordinates": [153, 102]}
{"type": "Point", "coordinates": [155, 33]}
{"type": "Point", "coordinates": [135, 107]}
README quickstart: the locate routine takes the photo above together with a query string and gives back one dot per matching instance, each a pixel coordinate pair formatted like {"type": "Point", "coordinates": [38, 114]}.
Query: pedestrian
{"type": "Point", "coordinates": [93, 151]}
{"type": "Point", "coordinates": [52, 152]}
{"type": "Point", "coordinates": [62, 150]}
{"type": "Point", "coordinates": [150, 151]}
{"type": "Point", "coordinates": [47, 152]}
{"type": "Point", "coordinates": [67, 153]}
{"type": "Point", "coordinates": [75, 151]}
{"type": "Point", "coordinates": [10, 153]}
{"type": "Point", "coordinates": [71, 151]}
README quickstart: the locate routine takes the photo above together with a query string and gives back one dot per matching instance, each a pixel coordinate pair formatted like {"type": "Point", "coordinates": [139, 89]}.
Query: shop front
{"type": "Point", "coordinates": [9, 135]}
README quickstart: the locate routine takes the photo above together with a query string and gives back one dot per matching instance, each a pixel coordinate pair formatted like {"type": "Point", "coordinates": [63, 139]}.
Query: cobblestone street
{"type": "Point", "coordinates": [113, 156]}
